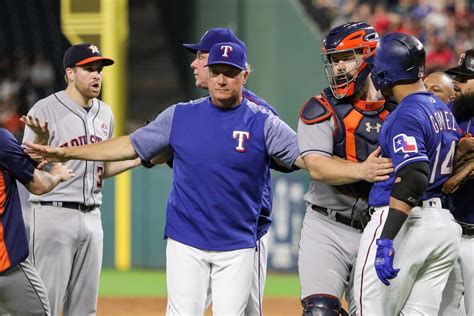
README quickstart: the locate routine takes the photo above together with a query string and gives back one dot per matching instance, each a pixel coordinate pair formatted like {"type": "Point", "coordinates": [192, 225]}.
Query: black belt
{"type": "Point", "coordinates": [467, 229]}
{"type": "Point", "coordinates": [339, 217]}
{"type": "Point", "coordinates": [74, 205]}
{"type": "Point", "coordinates": [444, 202]}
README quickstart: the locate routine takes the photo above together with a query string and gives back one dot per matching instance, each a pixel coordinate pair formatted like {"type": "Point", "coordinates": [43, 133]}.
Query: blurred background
{"type": "Point", "coordinates": [153, 71]}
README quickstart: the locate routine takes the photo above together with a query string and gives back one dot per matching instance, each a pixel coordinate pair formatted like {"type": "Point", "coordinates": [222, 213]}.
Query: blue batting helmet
{"type": "Point", "coordinates": [344, 43]}
{"type": "Point", "coordinates": [398, 58]}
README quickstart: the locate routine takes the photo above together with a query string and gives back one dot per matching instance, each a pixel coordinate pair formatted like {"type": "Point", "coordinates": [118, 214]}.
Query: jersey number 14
{"type": "Point", "coordinates": [447, 164]}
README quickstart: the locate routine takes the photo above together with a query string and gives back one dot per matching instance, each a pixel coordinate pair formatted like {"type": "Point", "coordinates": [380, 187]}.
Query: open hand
{"type": "Point", "coordinates": [61, 171]}
{"type": "Point", "coordinates": [52, 154]}
{"type": "Point", "coordinates": [376, 168]}
{"type": "Point", "coordinates": [41, 130]}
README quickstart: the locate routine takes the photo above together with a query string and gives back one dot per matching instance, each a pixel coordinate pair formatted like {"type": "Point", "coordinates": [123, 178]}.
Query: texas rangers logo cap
{"type": "Point", "coordinates": [465, 66]}
{"type": "Point", "coordinates": [212, 37]}
{"type": "Point", "coordinates": [228, 54]}
{"type": "Point", "coordinates": [82, 54]}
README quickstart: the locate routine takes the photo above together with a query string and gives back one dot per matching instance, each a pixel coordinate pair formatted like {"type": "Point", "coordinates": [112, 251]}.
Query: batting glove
{"type": "Point", "coordinates": [384, 261]}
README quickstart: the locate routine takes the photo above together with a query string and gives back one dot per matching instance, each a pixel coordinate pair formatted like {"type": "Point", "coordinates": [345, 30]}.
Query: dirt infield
{"type": "Point", "coordinates": [140, 306]}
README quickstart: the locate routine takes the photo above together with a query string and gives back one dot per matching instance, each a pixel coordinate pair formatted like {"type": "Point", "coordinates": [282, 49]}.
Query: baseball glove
{"type": "Point", "coordinates": [463, 165]}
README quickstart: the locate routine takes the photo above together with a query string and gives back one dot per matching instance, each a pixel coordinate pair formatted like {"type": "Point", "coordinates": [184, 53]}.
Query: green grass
{"type": "Point", "coordinates": [153, 283]}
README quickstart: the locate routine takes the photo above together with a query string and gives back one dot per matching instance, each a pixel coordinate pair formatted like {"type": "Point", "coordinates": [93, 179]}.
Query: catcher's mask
{"type": "Point", "coordinates": [350, 43]}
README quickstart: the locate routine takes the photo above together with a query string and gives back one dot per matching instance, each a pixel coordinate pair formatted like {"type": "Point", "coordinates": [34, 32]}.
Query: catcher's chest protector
{"type": "Point", "coordinates": [357, 128]}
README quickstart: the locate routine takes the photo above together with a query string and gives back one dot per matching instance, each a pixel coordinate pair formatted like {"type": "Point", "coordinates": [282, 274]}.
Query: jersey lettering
{"type": "Point", "coordinates": [82, 140]}
{"type": "Point", "coordinates": [442, 121]}
{"type": "Point", "coordinates": [240, 135]}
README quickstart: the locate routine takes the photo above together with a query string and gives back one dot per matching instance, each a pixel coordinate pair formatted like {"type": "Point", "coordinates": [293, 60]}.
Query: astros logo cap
{"type": "Point", "coordinates": [227, 53]}
{"type": "Point", "coordinates": [82, 54]}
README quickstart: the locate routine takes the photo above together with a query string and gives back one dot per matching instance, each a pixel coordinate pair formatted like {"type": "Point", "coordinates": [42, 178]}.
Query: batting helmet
{"type": "Point", "coordinates": [399, 58]}
{"type": "Point", "coordinates": [348, 40]}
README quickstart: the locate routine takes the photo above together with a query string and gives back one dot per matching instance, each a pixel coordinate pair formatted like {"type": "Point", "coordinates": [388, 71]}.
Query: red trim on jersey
{"type": "Point", "coordinates": [365, 262]}
{"type": "Point", "coordinates": [4, 258]}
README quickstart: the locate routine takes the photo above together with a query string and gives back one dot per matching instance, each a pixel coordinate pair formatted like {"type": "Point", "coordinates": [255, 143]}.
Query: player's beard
{"type": "Point", "coordinates": [463, 107]}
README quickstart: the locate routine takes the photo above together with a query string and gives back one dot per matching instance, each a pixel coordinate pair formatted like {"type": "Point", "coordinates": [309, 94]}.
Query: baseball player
{"type": "Point", "coordinates": [337, 137]}
{"type": "Point", "coordinates": [441, 85]}
{"type": "Point", "coordinates": [222, 147]}
{"type": "Point", "coordinates": [66, 236]}
{"type": "Point", "coordinates": [461, 279]}
{"type": "Point", "coordinates": [411, 242]}
{"type": "Point", "coordinates": [21, 290]}
{"type": "Point", "coordinates": [201, 73]}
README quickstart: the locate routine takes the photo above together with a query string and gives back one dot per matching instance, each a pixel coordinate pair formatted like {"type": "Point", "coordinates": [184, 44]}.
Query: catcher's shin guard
{"type": "Point", "coordinates": [322, 305]}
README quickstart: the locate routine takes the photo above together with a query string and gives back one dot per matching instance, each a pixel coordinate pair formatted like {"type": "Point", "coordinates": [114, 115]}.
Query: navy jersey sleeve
{"type": "Point", "coordinates": [281, 140]}
{"type": "Point", "coordinates": [13, 159]}
{"type": "Point", "coordinates": [153, 138]}
{"type": "Point", "coordinates": [406, 139]}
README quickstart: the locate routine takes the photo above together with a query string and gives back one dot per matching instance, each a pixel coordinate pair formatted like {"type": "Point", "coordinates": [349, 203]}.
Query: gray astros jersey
{"type": "Point", "coordinates": [71, 125]}
{"type": "Point", "coordinates": [317, 138]}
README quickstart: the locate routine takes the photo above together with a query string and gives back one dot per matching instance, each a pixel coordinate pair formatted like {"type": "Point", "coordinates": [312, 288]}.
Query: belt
{"type": "Point", "coordinates": [74, 205]}
{"type": "Point", "coordinates": [467, 229]}
{"type": "Point", "coordinates": [438, 202]}
{"type": "Point", "coordinates": [339, 218]}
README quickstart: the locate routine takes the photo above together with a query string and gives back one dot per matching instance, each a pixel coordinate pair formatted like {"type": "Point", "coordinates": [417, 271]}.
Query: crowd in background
{"type": "Point", "coordinates": [23, 81]}
{"type": "Point", "coordinates": [443, 26]}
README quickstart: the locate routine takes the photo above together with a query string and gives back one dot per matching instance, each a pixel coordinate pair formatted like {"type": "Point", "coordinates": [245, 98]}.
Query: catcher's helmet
{"type": "Point", "coordinates": [355, 37]}
{"type": "Point", "coordinates": [399, 58]}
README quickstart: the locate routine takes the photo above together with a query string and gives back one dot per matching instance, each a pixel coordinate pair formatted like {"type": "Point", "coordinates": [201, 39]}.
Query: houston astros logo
{"type": "Point", "coordinates": [94, 49]}
{"type": "Point", "coordinates": [227, 49]}
{"type": "Point", "coordinates": [240, 136]}
{"type": "Point", "coordinates": [105, 129]}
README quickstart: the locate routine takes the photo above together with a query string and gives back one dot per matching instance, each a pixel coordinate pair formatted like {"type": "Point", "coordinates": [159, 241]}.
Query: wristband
{"type": "Point", "coordinates": [394, 222]}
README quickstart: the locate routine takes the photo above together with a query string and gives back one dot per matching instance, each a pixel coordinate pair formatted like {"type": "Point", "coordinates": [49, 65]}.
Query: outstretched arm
{"type": "Point", "coordinates": [115, 149]}
{"type": "Point", "coordinates": [336, 171]}
{"type": "Point", "coordinates": [113, 168]}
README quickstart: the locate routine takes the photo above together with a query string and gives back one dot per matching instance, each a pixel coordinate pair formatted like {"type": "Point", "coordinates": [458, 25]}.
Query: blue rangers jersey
{"type": "Point", "coordinates": [221, 159]}
{"type": "Point", "coordinates": [422, 128]}
{"type": "Point", "coordinates": [264, 220]}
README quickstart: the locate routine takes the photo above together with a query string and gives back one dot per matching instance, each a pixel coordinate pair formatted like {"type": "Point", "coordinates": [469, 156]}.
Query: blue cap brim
{"type": "Point", "coordinates": [193, 48]}
{"type": "Point", "coordinates": [226, 63]}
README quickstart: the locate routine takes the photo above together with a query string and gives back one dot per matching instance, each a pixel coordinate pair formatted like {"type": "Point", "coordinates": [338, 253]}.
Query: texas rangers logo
{"type": "Point", "coordinates": [94, 49]}
{"type": "Point", "coordinates": [240, 136]}
{"type": "Point", "coordinates": [227, 49]}
{"type": "Point", "coordinates": [405, 144]}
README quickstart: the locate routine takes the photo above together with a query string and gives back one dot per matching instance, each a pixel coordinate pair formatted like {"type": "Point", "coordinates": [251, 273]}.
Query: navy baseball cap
{"type": "Point", "coordinates": [227, 53]}
{"type": "Point", "coordinates": [212, 37]}
{"type": "Point", "coordinates": [465, 66]}
{"type": "Point", "coordinates": [82, 54]}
